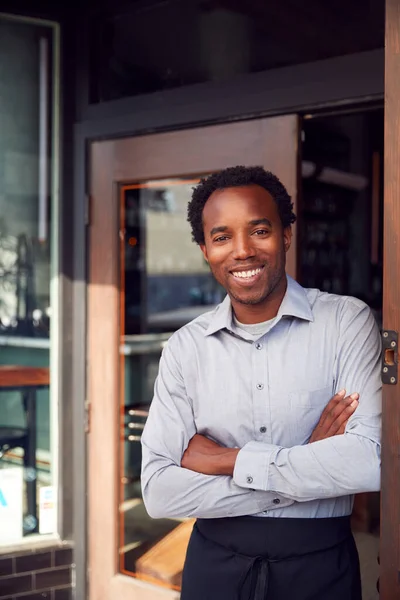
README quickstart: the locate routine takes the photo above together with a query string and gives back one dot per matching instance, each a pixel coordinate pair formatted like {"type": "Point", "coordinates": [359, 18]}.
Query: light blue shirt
{"type": "Point", "coordinates": [265, 396]}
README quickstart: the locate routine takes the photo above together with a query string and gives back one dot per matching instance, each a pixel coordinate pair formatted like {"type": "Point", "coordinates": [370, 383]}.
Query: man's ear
{"type": "Point", "coordinates": [287, 237]}
{"type": "Point", "coordinates": [204, 251]}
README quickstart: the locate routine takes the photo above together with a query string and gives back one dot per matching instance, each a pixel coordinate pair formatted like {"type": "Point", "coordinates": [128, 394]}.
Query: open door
{"type": "Point", "coordinates": [390, 495]}
{"type": "Point", "coordinates": [146, 279]}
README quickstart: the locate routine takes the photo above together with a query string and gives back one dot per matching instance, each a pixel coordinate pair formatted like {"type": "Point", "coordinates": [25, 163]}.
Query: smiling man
{"type": "Point", "coordinates": [250, 429]}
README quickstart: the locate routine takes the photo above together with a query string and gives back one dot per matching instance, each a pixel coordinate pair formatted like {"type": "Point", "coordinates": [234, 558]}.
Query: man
{"type": "Point", "coordinates": [241, 433]}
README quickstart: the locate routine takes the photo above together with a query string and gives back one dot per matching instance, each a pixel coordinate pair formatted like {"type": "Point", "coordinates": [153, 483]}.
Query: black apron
{"type": "Point", "coordinates": [262, 558]}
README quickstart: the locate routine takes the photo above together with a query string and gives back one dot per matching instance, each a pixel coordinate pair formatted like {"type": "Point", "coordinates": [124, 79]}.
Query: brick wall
{"type": "Point", "coordinates": [42, 574]}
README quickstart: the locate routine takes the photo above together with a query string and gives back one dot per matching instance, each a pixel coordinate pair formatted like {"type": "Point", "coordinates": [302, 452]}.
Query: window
{"type": "Point", "coordinates": [28, 277]}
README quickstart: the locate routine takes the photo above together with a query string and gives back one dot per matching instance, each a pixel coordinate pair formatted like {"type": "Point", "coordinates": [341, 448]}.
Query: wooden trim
{"type": "Point", "coordinates": [390, 495]}
{"type": "Point", "coordinates": [103, 374]}
{"type": "Point", "coordinates": [19, 376]}
{"type": "Point", "coordinates": [273, 143]}
{"type": "Point", "coordinates": [121, 365]}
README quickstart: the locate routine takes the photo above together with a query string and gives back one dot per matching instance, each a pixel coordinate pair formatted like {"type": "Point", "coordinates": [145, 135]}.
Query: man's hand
{"type": "Point", "coordinates": [207, 457]}
{"type": "Point", "coordinates": [335, 416]}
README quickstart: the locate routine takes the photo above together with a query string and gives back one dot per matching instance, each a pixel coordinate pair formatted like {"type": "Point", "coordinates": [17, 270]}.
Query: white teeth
{"type": "Point", "coordinates": [246, 274]}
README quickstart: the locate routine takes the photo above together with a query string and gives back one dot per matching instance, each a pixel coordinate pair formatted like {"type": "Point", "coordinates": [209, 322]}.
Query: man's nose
{"type": "Point", "coordinates": [243, 248]}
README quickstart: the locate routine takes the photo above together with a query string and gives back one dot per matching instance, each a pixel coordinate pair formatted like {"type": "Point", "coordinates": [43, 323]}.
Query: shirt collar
{"type": "Point", "coordinates": [295, 304]}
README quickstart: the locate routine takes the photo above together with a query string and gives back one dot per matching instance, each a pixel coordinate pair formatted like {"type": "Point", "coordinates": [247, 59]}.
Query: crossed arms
{"type": "Point", "coordinates": [187, 475]}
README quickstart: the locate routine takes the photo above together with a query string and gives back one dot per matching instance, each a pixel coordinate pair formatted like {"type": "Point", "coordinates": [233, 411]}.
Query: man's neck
{"type": "Point", "coordinates": [250, 314]}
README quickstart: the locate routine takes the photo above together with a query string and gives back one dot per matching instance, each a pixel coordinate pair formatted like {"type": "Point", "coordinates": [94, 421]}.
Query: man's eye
{"type": "Point", "coordinates": [221, 238]}
{"type": "Point", "coordinates": [261, 232]}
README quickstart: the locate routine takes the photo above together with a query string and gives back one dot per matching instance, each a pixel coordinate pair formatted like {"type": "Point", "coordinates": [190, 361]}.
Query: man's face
{"type": "Point", "coordinates": [245, 243]}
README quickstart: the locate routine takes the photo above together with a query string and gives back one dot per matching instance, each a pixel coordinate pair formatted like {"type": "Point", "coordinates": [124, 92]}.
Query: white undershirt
{"type": "Point", "coordinates": [256, 330]}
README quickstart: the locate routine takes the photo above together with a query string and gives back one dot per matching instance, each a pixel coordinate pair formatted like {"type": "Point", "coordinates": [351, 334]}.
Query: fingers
{"type": "Point", "coordinates": [333, 402]}
{"type": "Point", "coordinates": [334, 409]}
{"type": "Point", "coordinates": [335, 416]}
{"type": "Point", "coordinates": [342, 412]}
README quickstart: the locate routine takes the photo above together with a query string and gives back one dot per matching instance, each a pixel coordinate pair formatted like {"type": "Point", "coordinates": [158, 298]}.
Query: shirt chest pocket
{"type": "Point", "coordinates": [306, 407]}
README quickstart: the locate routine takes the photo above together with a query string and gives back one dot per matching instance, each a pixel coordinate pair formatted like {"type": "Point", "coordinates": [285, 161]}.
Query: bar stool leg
{"type": "Point", "coordinates": [30, 463]}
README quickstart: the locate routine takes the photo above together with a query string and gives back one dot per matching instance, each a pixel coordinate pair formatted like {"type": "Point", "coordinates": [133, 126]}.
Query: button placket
{"type": "Point", "coordinates": [260, 398]}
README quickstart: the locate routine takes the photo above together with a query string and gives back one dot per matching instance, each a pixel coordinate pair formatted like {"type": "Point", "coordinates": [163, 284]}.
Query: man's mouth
{"type": "Point", "coordinates": [247, 274]}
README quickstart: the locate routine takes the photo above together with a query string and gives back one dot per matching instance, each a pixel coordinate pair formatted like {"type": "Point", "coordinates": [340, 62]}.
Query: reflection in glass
{"type": "Point", "coordinates": [27, 113]}
{"type": "Point", "coordinates": [165, 283]}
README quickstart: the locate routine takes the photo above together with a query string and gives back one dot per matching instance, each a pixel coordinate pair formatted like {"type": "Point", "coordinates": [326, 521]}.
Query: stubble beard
{"type": "Point", "coordinates": [271, 284]}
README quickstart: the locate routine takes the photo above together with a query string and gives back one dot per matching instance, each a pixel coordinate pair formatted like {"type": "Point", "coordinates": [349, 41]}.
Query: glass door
{"type": "Point", "coordinates": [147, 279]}
{"type": "Point", "coordinates": [165, 283]}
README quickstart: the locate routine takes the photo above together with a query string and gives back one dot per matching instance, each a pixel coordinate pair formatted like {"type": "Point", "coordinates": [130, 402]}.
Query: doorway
{"type": "Point", "coordinates": [341, 249]}
{"type": "Point", "coordinates": [140, 293]}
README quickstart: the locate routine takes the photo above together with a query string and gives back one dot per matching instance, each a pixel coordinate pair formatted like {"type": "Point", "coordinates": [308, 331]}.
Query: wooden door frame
{"type": "Point", "coordinates": [155, 156]}
{"type": "Point", "coordinates": [390, 495]}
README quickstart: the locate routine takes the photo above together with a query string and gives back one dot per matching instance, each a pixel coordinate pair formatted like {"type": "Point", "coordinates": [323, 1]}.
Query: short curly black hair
{"type": "Point", "coordinates": [237, 177]}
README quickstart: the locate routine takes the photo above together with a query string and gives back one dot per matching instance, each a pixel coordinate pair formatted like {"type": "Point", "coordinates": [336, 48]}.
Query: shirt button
{"type": "Point", "coordinates": [276, 501]}
{"type": "Point", "coordinates": [249, 479]}
{"type": "Point", "coordinates": [259, 346]}
{"type": "Point", "coordinates": [260, 386]}
{"type": "Point", "coordinates": [263, 429]}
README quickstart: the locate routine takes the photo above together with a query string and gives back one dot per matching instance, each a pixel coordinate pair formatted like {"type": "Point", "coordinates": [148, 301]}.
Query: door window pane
{"type": "Point", "coordinates": [27, 265]}
{"type": "Point", "coordinates": [165, 283]}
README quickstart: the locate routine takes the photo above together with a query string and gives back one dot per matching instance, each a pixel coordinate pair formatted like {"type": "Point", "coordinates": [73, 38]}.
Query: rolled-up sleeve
{"type": "Point", "coordinates": [341, 465]}
{"type": "Point", "coordinates": [168, 489]}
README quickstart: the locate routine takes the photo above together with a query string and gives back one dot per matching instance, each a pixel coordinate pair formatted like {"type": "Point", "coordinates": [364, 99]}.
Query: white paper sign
{"type": "Point", "coordinates": [47, 510]}
{"type": "Point", "coordinates": [11, 504]}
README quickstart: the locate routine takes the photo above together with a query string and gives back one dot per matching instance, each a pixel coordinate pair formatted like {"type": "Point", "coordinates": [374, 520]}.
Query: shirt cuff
{"type": "Point", "coordinates": [252, 465]}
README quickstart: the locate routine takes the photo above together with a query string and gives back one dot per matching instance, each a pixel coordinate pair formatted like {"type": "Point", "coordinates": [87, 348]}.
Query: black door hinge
{"type": "Point", "coordinates": [390, 355]}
